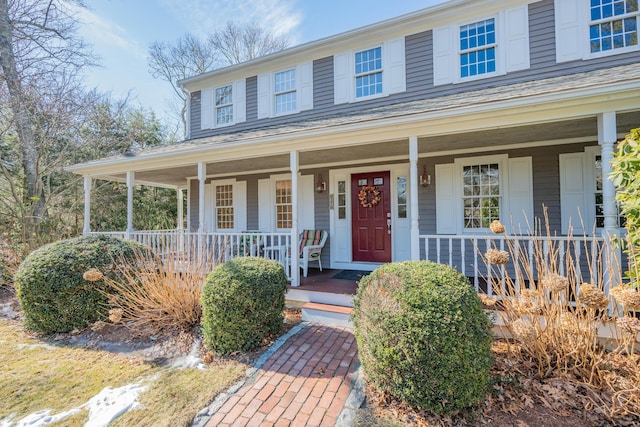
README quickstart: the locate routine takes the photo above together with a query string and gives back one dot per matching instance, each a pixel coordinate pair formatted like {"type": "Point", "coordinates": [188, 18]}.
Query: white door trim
{"type": "Point", "coordinates": [395, 170]}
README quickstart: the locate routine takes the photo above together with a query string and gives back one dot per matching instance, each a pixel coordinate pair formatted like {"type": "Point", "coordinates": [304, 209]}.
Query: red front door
{"type": "Point", "coordinates": [371, 217]}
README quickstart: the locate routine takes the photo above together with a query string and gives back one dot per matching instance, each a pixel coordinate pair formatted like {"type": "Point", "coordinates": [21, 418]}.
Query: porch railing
{"type": "Point", "coordinates": [579, 257]}
{"type": "Point", "coordinates": [207, 250]}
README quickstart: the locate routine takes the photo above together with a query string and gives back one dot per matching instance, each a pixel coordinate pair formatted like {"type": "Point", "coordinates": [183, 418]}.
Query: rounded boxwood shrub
{"type": "Point", "coordinates": [54, 296]}
{"type": "Point", "coordinates": [423, 336]}
{"type": "Point", "coordinates": [242, 303]}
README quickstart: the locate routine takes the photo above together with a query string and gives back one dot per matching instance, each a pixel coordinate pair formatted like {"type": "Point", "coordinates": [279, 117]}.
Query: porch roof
{"type": "Point", "coordinates": [436, 121]}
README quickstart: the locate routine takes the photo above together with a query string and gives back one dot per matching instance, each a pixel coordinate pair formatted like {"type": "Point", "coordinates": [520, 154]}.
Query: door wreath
{"type": "Point", "coordinates": [364, 193]}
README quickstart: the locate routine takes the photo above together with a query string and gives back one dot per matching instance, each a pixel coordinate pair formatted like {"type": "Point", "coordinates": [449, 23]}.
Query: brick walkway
{"type": "Point", "coordinates": [305, 383]}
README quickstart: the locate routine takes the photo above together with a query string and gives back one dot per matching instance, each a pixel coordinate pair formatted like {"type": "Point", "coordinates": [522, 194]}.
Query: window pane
{"type": "Point", "coordinates": [285, 81]}
{"type": "Point", "coordinates": [224, 206]}
{"type": "Point", "coordinates": [224, 115]}
{"type": "Point", "coordinates": [481, 194]}
{"type": "Point", "coordinates": [283, 204]}
{"type": "Point", "coordinates": [286, 102]}
{"type": "Point", "coordinates": [224, 95]}
{"type": "Point", "coordinates": [402, 196]}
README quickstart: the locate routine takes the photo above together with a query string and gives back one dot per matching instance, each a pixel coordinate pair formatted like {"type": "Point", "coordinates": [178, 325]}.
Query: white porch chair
{"type": "Point", "coordinates": [311, 244]}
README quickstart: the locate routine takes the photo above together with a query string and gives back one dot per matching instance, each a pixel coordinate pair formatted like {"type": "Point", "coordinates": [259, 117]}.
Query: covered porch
{"type": "Point", "coordinates": [542, 149]}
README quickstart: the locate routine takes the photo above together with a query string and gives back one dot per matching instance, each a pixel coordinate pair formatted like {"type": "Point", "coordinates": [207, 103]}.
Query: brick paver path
{"type": "Point", "coordinates": [305, 383]}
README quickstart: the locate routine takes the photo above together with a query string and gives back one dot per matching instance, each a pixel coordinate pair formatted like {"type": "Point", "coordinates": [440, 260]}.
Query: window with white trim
{"type": "Point", "coordinates": [284, 206]}
{"type": "Point", "coordinates": [481, 195]}
{"type": "Point", "coordinates": [368, 72]}
{"type": "Point", "coordinates": [284, 86]}
{"type": "Point", "coordinates": [478, 48]}
{"type": "Point", "coordinates": [224, 207]}
{"type": "Point", "coordinates": [224, 105]}
{"type": "Point", "coordinates": [613, 24]}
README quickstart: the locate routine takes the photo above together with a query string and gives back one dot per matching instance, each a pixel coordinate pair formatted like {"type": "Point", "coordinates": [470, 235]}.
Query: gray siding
{"type": "Point", "coordinates": [419, 76]}
{"type": "Point", "coordinates": [252, 99]}
{"type": "Point", "coordinates": [323, 83]}
{"type": "Point", "coordinates": [194, 115]}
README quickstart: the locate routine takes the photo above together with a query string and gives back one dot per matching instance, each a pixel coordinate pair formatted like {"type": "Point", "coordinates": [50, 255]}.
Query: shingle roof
{"type": "Point", "coordinates": [548, 86]}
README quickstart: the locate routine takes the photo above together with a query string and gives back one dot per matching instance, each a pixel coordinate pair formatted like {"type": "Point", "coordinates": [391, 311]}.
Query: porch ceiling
{"type": "Point", "coordinates": [340, 152]}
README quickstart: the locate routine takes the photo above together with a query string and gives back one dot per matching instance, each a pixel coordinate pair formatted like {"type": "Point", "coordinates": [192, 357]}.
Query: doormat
{"type": "Point", "coordinates": [350, 275]}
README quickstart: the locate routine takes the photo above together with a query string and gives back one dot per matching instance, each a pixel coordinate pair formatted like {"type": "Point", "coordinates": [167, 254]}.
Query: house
{"type": "Point", "coordinates": [406, 138]}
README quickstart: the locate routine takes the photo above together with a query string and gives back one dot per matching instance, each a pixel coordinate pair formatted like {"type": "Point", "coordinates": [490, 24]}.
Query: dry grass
{"type": "Point", "coordinates": [177, 395]}
{"type": "Point", "coordinates": [554, 318]}
{"type": "Point", "coordinates": [156, 294]}
{"type": "Point", "coordinates": [37, 375]}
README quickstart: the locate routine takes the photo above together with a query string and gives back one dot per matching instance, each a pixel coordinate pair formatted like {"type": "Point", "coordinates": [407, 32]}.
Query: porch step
{"type": "Point", "coordinates": [326, 314]}
{"type": "Point", "coordinates": [295, 294]}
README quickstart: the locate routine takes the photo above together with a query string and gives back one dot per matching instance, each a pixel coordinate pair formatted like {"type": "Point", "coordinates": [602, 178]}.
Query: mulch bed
{"type": "Point", "coordinates": [518, 398]}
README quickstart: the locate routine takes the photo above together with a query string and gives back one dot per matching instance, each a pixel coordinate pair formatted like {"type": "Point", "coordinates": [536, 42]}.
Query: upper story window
{"type": "Point", "coordinates": [285, 91]}
{"type": "Point", "coordinates": [478, 48]}
{"type": "Point", "coordinates": [368, 72]}
{"type": "Point", "coordinates": [224, 105]}
{"type": "Point", "coordinates": [614, 24]}
{"type": "Point", "coordinates": [482, 47]}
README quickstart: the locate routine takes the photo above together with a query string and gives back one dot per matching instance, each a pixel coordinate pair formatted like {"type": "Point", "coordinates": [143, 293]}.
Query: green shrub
{"type": "Point", "coordinates": [422, 336]}
{"type": "Point", "coordinates": [242, 303]}
{"type": "Point", "coordinates": [54, 296]}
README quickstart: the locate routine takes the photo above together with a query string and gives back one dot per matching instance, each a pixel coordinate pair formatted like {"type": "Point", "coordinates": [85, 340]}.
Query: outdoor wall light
{"type": "Point", "coordinates": [425, 178]}
{"type": "Point", "coordinates": [321, 186]}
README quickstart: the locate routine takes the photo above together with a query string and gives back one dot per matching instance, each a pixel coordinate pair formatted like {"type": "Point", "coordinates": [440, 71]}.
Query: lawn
{"type": "Point", "coordinates": [37, 375]}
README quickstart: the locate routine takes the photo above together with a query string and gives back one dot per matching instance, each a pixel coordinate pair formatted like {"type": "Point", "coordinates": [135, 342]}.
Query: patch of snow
{"type": "Point", "coordinates": [103, 408]}
{"type": "Point", "coordinates": [37, 419]}
{"type": "Point", "coordinates": [34, 346]}
{"type": "Point", "coordinates": [110, 403]}
{"type": "Point", "coordinates": [191, 360]}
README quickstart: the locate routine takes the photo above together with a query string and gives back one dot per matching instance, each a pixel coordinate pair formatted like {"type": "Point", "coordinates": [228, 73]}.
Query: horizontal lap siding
{"type": "Point", "coordinates": [419, 76]}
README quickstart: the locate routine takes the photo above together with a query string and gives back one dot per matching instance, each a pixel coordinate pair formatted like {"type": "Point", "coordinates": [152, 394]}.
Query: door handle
{"type": "Point", "coordinates": [389, 226]}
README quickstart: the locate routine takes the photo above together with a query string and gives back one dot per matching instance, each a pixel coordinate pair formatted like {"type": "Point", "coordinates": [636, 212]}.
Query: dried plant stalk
{"type": "Point", "coordinates": [158, 294]}
{"type": "Point", "coordinates": [554, 315]}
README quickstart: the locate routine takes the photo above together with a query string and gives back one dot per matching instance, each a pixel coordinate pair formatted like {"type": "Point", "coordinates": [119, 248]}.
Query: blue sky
{"type": "Point", "coordinates": [120, 32]}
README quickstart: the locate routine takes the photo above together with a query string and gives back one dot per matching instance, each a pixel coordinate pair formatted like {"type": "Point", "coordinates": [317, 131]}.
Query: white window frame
{"type": "Point", "coordinates": [612, 51]}
{"type": "Point", "coordinates": [357, 75]}
{"type": "Point", "coordinates": [274, 180]}
{"type": "Point", "coordinates": [214, 185]}
{"type": "Point", "coordinates": [496, 45]}
{"type": "Point", "coordinates": [511, 45]}
{"type": "Point", "coordinates": [460, 163]}
{"type": "Point", "coordinates": [293, 90]}
{"type": "Point", "coordinates": [573, 32]}
{"type": "Point", "coordinates": [226, 105]}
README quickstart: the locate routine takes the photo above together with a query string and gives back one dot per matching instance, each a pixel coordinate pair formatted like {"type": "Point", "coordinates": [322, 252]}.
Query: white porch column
{"type": "Point", "coordinates": [130, 183]}
{"type": "Point", "coordinates": [295, 258]}
{"type": "Point", "coordinates": [202, 175]}
{"type": "Point", "coordinates": [180, 219]}
{"type": "Point", "coordinates": [413, 193]}
{"type": "Point", "coordinates": [607, 136]}
{"type": "Point", "coordinates": [87, 205]}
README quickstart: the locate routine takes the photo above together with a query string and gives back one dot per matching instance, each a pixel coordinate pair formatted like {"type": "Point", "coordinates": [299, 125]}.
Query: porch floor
{"type": "Point", "coordinates": [323, 281]}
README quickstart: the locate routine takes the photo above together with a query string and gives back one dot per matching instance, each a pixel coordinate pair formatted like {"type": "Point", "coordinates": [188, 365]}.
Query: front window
{"type": "Point", "coordinates": [224, 207]}
{"type": "Point", "coordinates": [481, 195]}
{"type": "Point", "coordinates": [368, 72]}
{"type": "Point", "coordinates": [614, 24]}
{"type": "Point", "coordinates": [224, 105]}
{"type": "Point", "coordinates": [285, 91]}
{"type": "Point", "coordinates": [284, 207]}
{"type": "Point", "coordinates": [478, 48]}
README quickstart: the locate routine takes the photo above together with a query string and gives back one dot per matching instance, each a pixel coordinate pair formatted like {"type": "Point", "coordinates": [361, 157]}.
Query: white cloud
{"type": "Point", "coordinates": [100, 33]}
{"type": "Point", "coordinates": [204, 16]}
